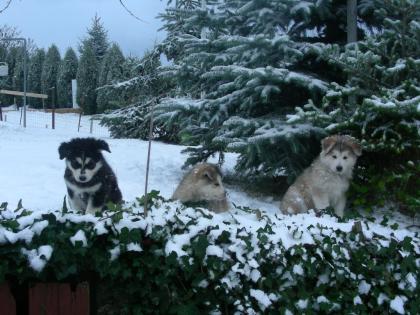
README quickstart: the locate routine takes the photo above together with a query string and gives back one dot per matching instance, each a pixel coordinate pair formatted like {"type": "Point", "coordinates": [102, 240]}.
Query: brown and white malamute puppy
{"type": "Point", "coordinates": [203, 184]}
{"type": "Point", "coordinates": [324, 183]}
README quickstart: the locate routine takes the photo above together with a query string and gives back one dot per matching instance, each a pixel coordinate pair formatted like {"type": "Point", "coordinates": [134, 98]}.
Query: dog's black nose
{"type": "Point", "coordinates": [339, 168]}
{"type": "Point", "coordinates": [82, 178]}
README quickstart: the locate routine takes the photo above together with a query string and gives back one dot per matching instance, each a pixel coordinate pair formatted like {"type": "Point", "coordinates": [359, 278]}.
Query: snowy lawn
{"type": "Point", "coordinates": [32, 171]}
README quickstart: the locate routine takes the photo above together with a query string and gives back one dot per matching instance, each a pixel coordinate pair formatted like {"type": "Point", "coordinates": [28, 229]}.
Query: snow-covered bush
{"type": "Point", "coordinates": [179, 260]}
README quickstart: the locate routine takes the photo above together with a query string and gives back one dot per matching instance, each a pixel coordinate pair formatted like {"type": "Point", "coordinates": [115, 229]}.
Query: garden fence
{"type": "Point", "coordinates": [67, 119]}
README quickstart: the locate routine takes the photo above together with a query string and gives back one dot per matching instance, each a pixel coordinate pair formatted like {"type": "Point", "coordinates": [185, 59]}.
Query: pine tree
{"type": "Point", "coordinates": [86, 80]}
{"type": "Point", "coordinates": [97, 38]}
{"type": "Point", "coordinates": [11, 82]}
{"type": "Point", "coordinates": [94, 45]}
{"type": "Point", "coordinates": [384, 77]}
{"type": "Point", "coordinates": [34, 75]}
{"type": "Point", "coordinates": [141, 88]}
{"type": "Point", "coordinates": [241, 66]}
{"type": "Point", "coordinates": [49, 75]}
{"type": "Point", "coordinates": [7, 55]}
{"type": "Point", "coordinates": [14, 81]}
{"type": "Point", "coordinates": [68, 72]}
{"type": "Point", "coordinates": [112, 70]}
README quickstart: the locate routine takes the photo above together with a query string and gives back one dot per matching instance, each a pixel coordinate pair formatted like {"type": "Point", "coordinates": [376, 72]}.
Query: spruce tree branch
{"type": "Point", "coordinates": [129, 11]}
{"type": "Point", "coordinates": [6, 6]}
{"type": "Point", "coordinates": [348, 68]}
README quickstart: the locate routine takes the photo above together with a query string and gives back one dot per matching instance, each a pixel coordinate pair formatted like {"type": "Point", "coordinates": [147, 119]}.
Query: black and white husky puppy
{"type": "Point", "coordinates": [90, 181]}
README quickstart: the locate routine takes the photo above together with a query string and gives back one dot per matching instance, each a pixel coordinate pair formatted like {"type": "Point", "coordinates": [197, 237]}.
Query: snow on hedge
{"type": "Point", "coordinates": [244, 241]}
{"type": "Point", "coordinates": [285, 230]}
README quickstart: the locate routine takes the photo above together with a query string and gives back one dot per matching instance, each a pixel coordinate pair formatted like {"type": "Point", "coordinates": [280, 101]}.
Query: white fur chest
{"type": "Point", "coordinates": [333, 185]}
{"type": "Point", "coordinates": [81, 195]}
{"type": "Point", "coordinates": [83, 190]}
{"type": "Point", "coordinates": [336, 189]}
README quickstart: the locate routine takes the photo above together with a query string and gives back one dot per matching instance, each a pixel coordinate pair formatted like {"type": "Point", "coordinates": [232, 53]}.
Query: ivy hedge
{"type": "Point", "coordinates": [180, 260]}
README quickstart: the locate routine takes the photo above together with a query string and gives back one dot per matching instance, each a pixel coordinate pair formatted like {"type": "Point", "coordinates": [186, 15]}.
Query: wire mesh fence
{"type": "Point", "coordinates": [59, 119]}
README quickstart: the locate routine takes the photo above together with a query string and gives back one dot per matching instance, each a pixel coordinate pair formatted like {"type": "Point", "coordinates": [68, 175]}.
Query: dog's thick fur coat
{"type": "Point", "coordinates": [203, 184]}
{"type": "Point", "coordinates": [90, 181]}
{"type": "Point", "coordinates": [325, 183]}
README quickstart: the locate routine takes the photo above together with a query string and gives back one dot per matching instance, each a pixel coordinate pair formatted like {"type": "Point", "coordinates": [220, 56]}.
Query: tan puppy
{"type": "Point", "coordinates": [325, 183]}
{"type": "Point", "coordinates": [203, 183]}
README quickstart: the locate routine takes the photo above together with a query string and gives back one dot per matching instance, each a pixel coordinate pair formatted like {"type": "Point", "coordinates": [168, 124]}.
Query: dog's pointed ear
{"type": "Point", "coordinates": [102, 145]}
{"type": "Point", "coordinates": [328, 143]}
{"type": "Point", "coordinates": [209, 176]}
{"type": "Point", "coordinates": [354, 145]}
{"type": "Point", "coordinates": [63, 150]}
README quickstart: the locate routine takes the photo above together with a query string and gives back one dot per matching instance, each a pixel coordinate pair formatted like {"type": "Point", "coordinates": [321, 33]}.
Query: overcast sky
{"type": "Point", "coordinates": [64, 22]}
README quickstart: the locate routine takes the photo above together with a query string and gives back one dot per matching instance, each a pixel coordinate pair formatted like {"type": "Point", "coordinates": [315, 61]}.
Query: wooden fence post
{"type": "Point", "coordinates": [53, 117]}
{"type": "Point", "coordinates": [80, 118]}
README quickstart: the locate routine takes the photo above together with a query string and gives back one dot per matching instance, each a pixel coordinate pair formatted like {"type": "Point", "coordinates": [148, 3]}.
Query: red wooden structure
{"type": "Point", "coordinates": [49, 299]}
{"type": "Point", "coordinates": [7, 302]}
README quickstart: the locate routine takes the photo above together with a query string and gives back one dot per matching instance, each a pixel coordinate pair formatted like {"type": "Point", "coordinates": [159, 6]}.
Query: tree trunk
{"type": "Point", "coordinates": [351, 33]}
{"type": "Point", "coordinates": [351, 21]}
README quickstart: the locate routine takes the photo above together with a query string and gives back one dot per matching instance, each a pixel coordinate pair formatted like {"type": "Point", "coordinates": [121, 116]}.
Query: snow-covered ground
{"type": "Point", "coordinates": [31, 170]}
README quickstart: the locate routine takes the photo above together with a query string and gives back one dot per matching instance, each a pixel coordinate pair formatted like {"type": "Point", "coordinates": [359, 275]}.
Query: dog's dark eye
{"type": "Point", "coordinates": [75, 164]}
{"type": "Point", "coordinates": [216, 184]}
{"type": "Point", "coordinates": [334, 156]}
{"type": "Point", "coordinates": [90, 165]}
{"type": "Point", "coordinates": [344, 157]}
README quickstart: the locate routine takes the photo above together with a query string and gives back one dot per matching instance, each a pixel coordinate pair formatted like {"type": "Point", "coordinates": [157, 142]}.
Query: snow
{"type": "Point", "coordinates": [399, 66]}
{"type": "Point", "coordinates": [80, 236]}
{"type": "Point", "coordinates": [134, 247]}
{"type": "Point", "coordinates": [357, 300]}
{"type": "Point", "coordinates": [115, 252]}
{"type": "Point", "coordinates": [411, 279]}
{"type": "Point", "coordinates": [25, 235]}
{"type": "Point", "coordinates": [364, 287]}
{"type": "Point", "coordinates": [302, 304]}
{"type": "Point", "coordinates": [382, 298]}
{"type": "Point", "coordinates": [255, 275]}
{"type": "Point", "coordinates": [39, 226]}
{"type": "Point", "coordinates": [380, 103]}
{"type": "Point", "coordinates": [397, 304]}
{"type": "Point", "coordinates": [214, 250]}
{"type": "Point", "coordinates": [322, 299]}
{"type": "Point", "coordinates": [38, 258]}
{"type": "Point", "coordinates": [261, 297]}
{"type": "Point", "coordinates": [297, 269]}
